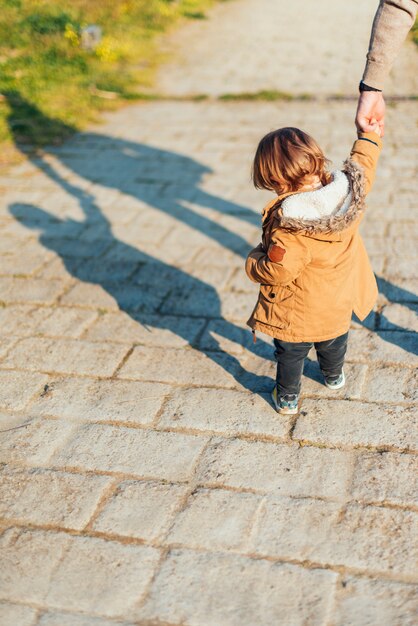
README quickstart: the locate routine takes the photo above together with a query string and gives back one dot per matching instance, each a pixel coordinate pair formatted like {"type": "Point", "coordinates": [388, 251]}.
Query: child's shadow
{"type": "Point", "coordinates": [152, 292]}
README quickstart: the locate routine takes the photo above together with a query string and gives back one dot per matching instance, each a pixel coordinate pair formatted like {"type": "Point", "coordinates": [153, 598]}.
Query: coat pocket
{"type": "Point", "coordinates": [274, 305]}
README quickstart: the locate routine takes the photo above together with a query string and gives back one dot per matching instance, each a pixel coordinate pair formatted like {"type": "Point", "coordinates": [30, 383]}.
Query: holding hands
{"type": "Point", "coordinates": [371, 112]}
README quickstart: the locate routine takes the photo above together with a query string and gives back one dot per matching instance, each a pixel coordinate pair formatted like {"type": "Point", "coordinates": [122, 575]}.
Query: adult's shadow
{"type": "Point", "coordinates": [162, 179]}
{"type": "Point", "coordinates": [390, 331]}
{"type": "Point", "coordinates": [149, 290]}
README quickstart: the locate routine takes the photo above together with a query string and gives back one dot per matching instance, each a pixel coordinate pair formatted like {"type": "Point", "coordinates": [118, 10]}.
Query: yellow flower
{"type": "Point", "coordinates": [106, 50]}
{"type": "Point", "coordinates": [72, 35]}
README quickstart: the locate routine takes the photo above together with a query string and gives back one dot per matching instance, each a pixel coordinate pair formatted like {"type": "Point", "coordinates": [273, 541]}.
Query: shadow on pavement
{"type": "Point", "coordinates": [143, 285]}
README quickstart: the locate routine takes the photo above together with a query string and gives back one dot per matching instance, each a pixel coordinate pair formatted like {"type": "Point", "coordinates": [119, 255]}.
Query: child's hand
{"type": "Point", "coordinates": [375, 127]}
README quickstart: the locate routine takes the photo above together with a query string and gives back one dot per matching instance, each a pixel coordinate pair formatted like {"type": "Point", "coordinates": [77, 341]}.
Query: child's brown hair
{"type": "Point", "coordinates": [286, 159]}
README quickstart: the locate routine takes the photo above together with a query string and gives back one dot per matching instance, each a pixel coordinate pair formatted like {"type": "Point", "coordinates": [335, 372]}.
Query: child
{"type": "Point", "coordinates": [312, 265]}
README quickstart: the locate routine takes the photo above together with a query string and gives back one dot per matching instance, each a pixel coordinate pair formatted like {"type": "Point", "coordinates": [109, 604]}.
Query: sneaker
{"type": "Point", "coordinates": [335, 382]}
{"type": "Point", "coordinates": [287, 404]}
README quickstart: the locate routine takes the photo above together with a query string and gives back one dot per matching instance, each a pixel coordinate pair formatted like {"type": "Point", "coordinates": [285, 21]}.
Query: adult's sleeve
{"type": "Point", "coordinates": [392, 22]}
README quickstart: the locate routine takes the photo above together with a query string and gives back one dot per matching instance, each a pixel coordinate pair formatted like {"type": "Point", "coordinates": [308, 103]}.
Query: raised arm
{"type": "Point", "coordinates": [365, 151]}
{"type": "Point", "coordinates": [393, 21]}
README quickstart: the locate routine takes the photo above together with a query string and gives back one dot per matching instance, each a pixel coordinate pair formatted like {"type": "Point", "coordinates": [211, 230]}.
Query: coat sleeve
{"type": "Point", "coordinates": [290, 256]}
{"type": "Point", "coordinates": [365, 152]}
{"type": "Point", "coordinates": [392, 22]}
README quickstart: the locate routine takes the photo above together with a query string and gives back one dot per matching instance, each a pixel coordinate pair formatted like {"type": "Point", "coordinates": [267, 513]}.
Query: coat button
{"type": "Point", "coordinates": [272, 295]}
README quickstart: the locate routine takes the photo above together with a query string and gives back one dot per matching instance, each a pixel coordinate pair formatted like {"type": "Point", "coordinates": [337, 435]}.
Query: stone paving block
{"type": "Point", "coordinates": [259, 370]}
{"type": "Point", "coordinates": [278, 468]}
{"type": "Point", "coordinates": [215, 519]}
{"type": "Point", "coordinates": [17, 614]}
{"type": "Point", "coordinates": [410, 390]}
{"type": "Point", "coordinates": [71, 619]}
{"type": "Point", "coordinates": [353, 423]}
{"type": "Point", "coordinates": [59, 268]}
{"type": "Point", "coordinates": [75, 248]}
{"type": "Point", "coordinates": [403, 229]}
{"type": "Point", "coordinates": [101, 400]}
{"type": "Point", "coordinates": [6, 344]}
{"type": "Point", "coordinates": [386, 477]}
{"type": "Point", "coordinates": [404, 290]}
{"type": "Point", "coordinates": [237, 306]}
{"type": "Point", "coordinates": [367, 538]}
{"type": "Point", "coordinates": [377, 262]}
{"type": "Point", "coordinates": [22, 320]}
{"type": "Point", "coordinates": [140, 509]}
{"type": "Point", "coordinates": [45, 497]}
{"type": "Point", "coordinates": [29, 560]}
{"type": "Point", "coordinates": [405, 246]}
{"type": "Point", "coordinates": [184, 367]}
{"type": "Point", "coordinates": [66, 356]}
{"type": "Point", "coordinates": [17, 388]}
{"type": "Point", "coordinates": [66, 322]}
{"type": "Point", "coordinates": [364, 602]}
{"type": "Point", "coordinates": [399, 317]}
{"type": "Point", "coordinates": [124, 296]}
{"type": "Point", "coordinates": [391, 347]}
{"type": "Point", "coordinates": [165, 331]}
{"type": "Point", "coordinates": [146, 453]}
{"type": "Point", "coordinates": [387, 383]}
{"type": "Point", "coordinates": [26, 258]}
{"type": "Point", "coordinates": [195, 300]}
{"type": "Point", "coordinates": [90, 295]}
{"type": "Point", "coordinates": [222, 335]}
{"type": "Point", "coordinates": [30, 290]}
{"type": "Point", "coordinates": [206, 589]}
{"type": "Point", "coordinates": [217, 277]}
{"type": "Point", "coordinates": [102, 577]}
{"type": "Point", "coordinates": [313, 381]}
{"type": "Point", "coordinates": [231, 412]}
{"type": "Point", "coordinates": [103, 270]}
{"type": "Point", "coordinates": [400, 267]}
{"type": "Point", "coordinates": [31, 441]}
{"type": "Point", "coordinates": [218, 260]}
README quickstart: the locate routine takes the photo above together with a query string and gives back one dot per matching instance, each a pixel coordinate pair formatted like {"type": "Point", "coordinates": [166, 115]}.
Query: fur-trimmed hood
{"type": "Point", "coordinates": [326, 210]}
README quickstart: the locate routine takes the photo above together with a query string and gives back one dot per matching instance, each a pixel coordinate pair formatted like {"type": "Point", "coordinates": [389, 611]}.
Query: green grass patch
{"type": "Point", "coordinates": [51, 86]}
{"type": "Point", "coordinates": [415, 32]}
{"type": "Point", "coordinates": [269, 95]}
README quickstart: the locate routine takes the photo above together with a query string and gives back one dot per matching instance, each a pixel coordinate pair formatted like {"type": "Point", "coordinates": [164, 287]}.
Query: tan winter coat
{"type": "Point", "coordinates": [322, 272]}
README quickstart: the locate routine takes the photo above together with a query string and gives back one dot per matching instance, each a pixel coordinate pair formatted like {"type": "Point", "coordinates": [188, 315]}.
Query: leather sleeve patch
{"type": "Point", "coordinates": [276, 253]}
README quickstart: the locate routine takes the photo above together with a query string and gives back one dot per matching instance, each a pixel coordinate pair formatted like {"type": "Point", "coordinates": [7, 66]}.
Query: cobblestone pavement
{"type": "Point", "coordinates": [296, 47]}
{"type": "Point", "coordinates": [146, 479]}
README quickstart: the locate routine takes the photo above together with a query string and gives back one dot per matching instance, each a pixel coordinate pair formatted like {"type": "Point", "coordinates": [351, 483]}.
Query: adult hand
{"type": "Point", "coordinates": [371, 110]}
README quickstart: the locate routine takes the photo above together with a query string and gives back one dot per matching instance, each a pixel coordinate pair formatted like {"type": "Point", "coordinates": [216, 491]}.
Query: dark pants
{"type": "Point", "coordinates": [291, 356]}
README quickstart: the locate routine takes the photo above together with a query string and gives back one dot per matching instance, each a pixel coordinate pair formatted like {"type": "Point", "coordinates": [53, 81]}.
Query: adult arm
{"type": "Point", "coordinates": [392, 22]}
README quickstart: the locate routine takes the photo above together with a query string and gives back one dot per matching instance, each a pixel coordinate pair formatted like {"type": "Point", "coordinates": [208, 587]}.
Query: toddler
{"type": "Point", "coordinates": [311, 264]}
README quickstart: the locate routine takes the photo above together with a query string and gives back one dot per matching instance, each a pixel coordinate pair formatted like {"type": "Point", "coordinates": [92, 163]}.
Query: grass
{"type": "Point", "coordinates": [265, 95]}
{"type": "Point", "coordinates": [415, 32]}
{"type": "Point", "coordinates": [50, 86]}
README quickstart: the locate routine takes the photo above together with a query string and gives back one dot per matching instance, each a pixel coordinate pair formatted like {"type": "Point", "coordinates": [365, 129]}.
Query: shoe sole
{"type": "Point", "coordinates": [336, 387]}
{"type": "Point", "coordinates": [283, 411]}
